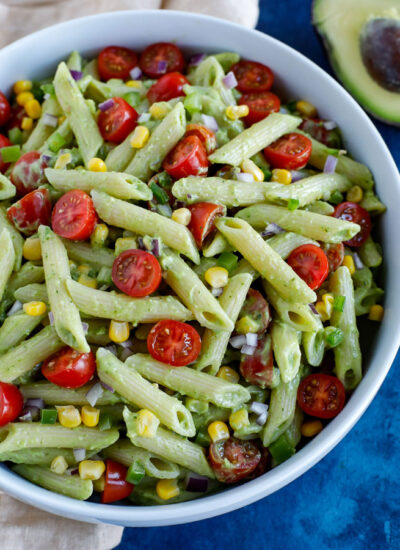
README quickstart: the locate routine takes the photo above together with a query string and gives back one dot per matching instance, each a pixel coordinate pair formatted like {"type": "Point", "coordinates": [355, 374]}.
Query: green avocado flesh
{"type": "Point", "coordinates": [362, 39]}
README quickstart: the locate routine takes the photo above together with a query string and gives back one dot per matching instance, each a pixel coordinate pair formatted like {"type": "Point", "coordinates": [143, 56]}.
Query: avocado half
{"type": "Point", "coordinates": [362, 39]}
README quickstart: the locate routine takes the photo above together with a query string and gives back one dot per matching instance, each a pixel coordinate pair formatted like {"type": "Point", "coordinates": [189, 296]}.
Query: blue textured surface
{"type": "Point", "coordinates": [351, 499]}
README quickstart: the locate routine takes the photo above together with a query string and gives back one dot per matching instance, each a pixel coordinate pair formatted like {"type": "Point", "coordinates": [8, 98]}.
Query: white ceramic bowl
{"type": "Point", "coordinates": [38, 54]}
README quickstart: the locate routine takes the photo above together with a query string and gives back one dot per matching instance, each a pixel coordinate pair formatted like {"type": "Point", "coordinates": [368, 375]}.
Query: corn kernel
{"type": "Point", "coordinates": [24, 97]}
{"type": "Point", "coordinates": [281, 176]}
{"type": "Point", "coordinates": [349, 263]}
{"type": "Point", "coordinates": [84, 268]}
{"type": "Point", "coordinates": [306, 109]}
{"type": "Point", "coordinates": [27, 123]}
{"type": "Point", "coordinates": [158, 110]}
{"type": "Point", "coordinates": [99, 484]}
{"type": "Point", "coordinates": [90, 416]}
{"type": "Point", "coordinates": [376, 313]}
{"type": "Point", "coordinates": [239, 419]}
{"type": "Point", "coordinates": [61, 119]}
{"type": "Point", "coordinates": [124, 243]}
{"type": "Point", "coordinates": [250, 167]}
{"type": "Point", "coordinates": [140, 137]}
{"type": "Point", "coordinates": [147, 423]}
{"type": "Point", "coordinates": [32, 249]}
{"type": "Point", "coordinates": [134, 83]}
{"type": "Point", "coordinates": [33, 108]}
{"type": "Point", "coordinates": [246, 324]}
{"type": "Point", "coordinates": [167, 488]}
{"type": "Point", "coordinates": [218, 430]}
{"type": "Point", "coordinates": [99, 235]}
{"type": "Point", "coordinates": [22, 86]}
{"type": "Point", "coordinates": [355, 194]}
{"type": "Point", "coordinates": [311, 428]}
{"type": "Point", "coordinates": [118, 331]}
{"type": "Point", "coordinates": [217, 277]}
{"type": "Point", "coordinates": [62, 161]}
{"type": "Point", "coordinates": [324, 306]}
{"type": "Point", "coordinates": [87, 281]}
{"type": "Point", "coordinates": [143, 331]}
{"type": "Point", "coordinates": [228, 374]}
{"type": "Point", "coordinates": [97, 165]}
{"type": "Point", "coordinates": [91, 469]}
{"type": "Point", "coordinates": [68, 416]}
{"type": "Point", "coordinates": [182, 216]}
{"type": "Point", "coordinates": [35, 308]}
{"type": "Point", "coordinates": [233, 112]}
{"type": "Point", "coordinates": [59, 465]}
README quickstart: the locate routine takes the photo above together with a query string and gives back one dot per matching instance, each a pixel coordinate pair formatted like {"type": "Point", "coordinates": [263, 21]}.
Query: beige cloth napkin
{"type": "Point", "coordinates": [21, 526]}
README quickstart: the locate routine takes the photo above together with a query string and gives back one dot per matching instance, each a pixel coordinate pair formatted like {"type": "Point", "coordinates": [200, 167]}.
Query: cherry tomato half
{"type": "Point", "coordinates": [115, 488]}
{"type": "Point", "coordinates": [321, 395]}
{"type": "Point", "coordinates": [310, 263]}
{"type": "Point", "coordinates": [233, 460]}
{"type": "Point", "coordinates": [260, 104]}
{"type": "Point", "coordinates": [32, 210]}
{"type": "Point", "coordinates": [253, 76]}
{"type": "Point", "coordinates": [136, 272]}
{"type": "Point", "coordinates": [353, 212]}
{"type": "Point", "coordinates": [202, 220]}
{"type": "Point", "coordinates": [17, 114]}
{"type": "Point", "coordinates": [69, 368]}
{"type": "Point", "coordinates": [11, 403]}
{"type": "Point", "coordinates": [205, 135]}
{"type": "Point", "coordinates": [74, 216]}
{"type": "Point", "coordinates": [187, 158]}
{"type": "Point", "coordinates": [161, 58]}
{"type": "Point", "coordinates": [335, 254]}
{"type": "Point", "coordinates": [256, 307]}
{"type": "Point", "coordinates": [258, 368]}
{"type": "Point", "coordinates": [167, 87]}
{"type": "Point", "coordinates": [291, 151]}
{"type": "Point", "coordinates": [4, 142]}
{"type": "Point", "coordinates": [174, 343]}
{"type": "Point", "coordinates": [118, 121]}
{"type": "Point", "coordinates": [28, 172]}
{"type": "Point", "coordinates": [5, 110]}
{"type": "Point", "coordinates": [316, 128]}
{"type": "Point", "coordinates": [116, 62]}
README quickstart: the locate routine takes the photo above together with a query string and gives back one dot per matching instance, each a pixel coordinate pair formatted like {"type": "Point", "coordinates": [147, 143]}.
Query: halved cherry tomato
{"type": "Point", "coordinates": [260, 104]}
{"type": "Point", "coordinates": [11, 403]}
{"type": "Point", "coordinates": [69, 368]}
{"type": "Point", "coordinates": [253, 76]}
{"type": "Point", "coordinates": [32, 210]}
{"type": "Point", "coordinates": [202, 220]}
{"type": "Point", "coordinates": [136, 272]}
{"type": "Point", "coordinates": [74, 216]}
{"type": "Point", "coordinates": [256, 307]}
{"type": "Point", "coordinates": [187, 158]}
{"type": "Point", "coordinates": [116, 488]}
{"type": "Point", "coordinates": [310, 263]}
{"type": "Point", "coordinates": [5, 110]}
{"type": "Point", "coordinates": [118, 121]}
{"type": "Point", "coordinates": [335, 254]}
{"type": "Point", "coordinates": [167, 87]}
{"type": "Point", "coordinates": [316, 128]}
{"type": "Point", "coordinates": [233, 460]}
{"type": "Point", "coordinates": [353, 212]}
{"type": "Point", "coordinates": [174, 343]}
{"type": "Point", "coordinates": [28, 172]}
{"type": "Point", "coordinates": [17, 114]}
{"type": "Point", "coordinates": [291, 151]}
{"type": "Point", "coordinates": [161, 58]}
{"type": "Point", "coordinates": [321, 395]}
{"type": "Point", "coordinates": [258, 368]}
{"type": "Point", "coordinates": [205, 135]}
{"type": "Point", "coordinates": [116, 62]}
{"type": "Point", "coordinates": [4, 142]}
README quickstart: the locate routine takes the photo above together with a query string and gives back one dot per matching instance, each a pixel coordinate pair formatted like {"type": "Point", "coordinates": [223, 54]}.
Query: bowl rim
{"type": "Point", "coordinates": [232, 498]}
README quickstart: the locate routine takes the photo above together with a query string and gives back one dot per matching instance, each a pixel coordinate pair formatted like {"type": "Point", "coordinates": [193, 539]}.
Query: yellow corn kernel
{"type": "Point", "coordinates": [349, 263]}
{"type": "Point", "coordinates": [218, 430]}
{"type": "Point", "coordinates": [376, 313]}
{"type": "Point", "coordinates": [22, 86]}
{"type": "Point", "coordinates": [143, 331]}
{"type": "Point", "coordinates": [167, 488]}
{"type": "Point", "coordinates": [62, 161]}
{"type": "Point", "coordinates": [59, 465]}
{"type": "Point", "coordinates": [182, 216]}
{"type": "Point", "coordinates": [281, 176]}
{"type": "Point", "coordinates": [140, 137]}
{"type": "Point", "coordinates": [97, 165]}
{"type": "Point", "coordinates": [246, 324]}
{"type": "Point", "coordinates": [32, 249]}
{"type": "Point", "coordinates": [33, 108]}
{"type": "Point", "coordinates": [134, 83]}
{"type": "Point", "coordinates": [217, 277]}
{"type": "Point", "coordinates": [233, 112]}
{"type": "Point", "coordinates": [306, 109]}
{"type": "Point", "coordinates": [99, 235]}
{"type": "Point", "coordinates": [87, 281]}
{"type": "Point", "coordinates": [124, 243]}
{"type": "Point", "coordinates": [324, 306]}
{"type": "Point", "coordinates": [61, 119]}
{"type": "Point", "coordinates": [91, 469]}
{"type": "Point", "coordinates": [27, 123]}
{"type": "Point", "coordinates": [84, 268]}
{"type": "Point", "coordinates": [158, 110]}
{"type": "Point", "coordinates": [99, 484]}
{"type": "Point", "coordinates": [228, 374]}
{"type": "Point", "coordinates": [24, 97]}
{"type": "Point", "coordinates": [239, 419]}
{"type": "Point", "coordinates": [35, 308]}
{"type": "Point", "coordinates": [68, 416]}
{"type": "Point", "coordinates": [119, 331]}
{"type": "Point", "coordinates": [90, 416]}
{"type": "Point", "coordinates": [251, 167]}
{"type": "Point", "coordinates": [147, 423]}
{"type": "Point", "coordinates": [355, 194]}
{"type": "Point", "coordinates": [311, 428]}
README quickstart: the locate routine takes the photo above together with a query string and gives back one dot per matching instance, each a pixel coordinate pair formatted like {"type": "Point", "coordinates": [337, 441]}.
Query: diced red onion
{"type": "Point", "coordinates": [313, 309]}
{"type": "Point", "coordinates": [135, 73]}
{"type": "Point", "coordinates": [107, 387]}
{"type": "Point", "coordinates": [76, 75]}
{"type": "Point", "coordinates": [197, 59]}
{"type": "Point", "coordinates": [330, 164]}
{"type": "Point", "coordinates": [272, 229]}
{"type": "Point", "coordinates": [94, 394]}
{"type": "Point", "coordinates": [210, 122]}
{"type": "Point", "coordinates": [72, 471]}
{"type": "Point", "coordinates": [217, 291]}
{"type": "Point", "coordinates": [17, 306]}
{"type": "Point", "coordinates": [50, 120]}
{"type": "Point", "coordinates": [248, 350]}
{"type": "Point", "coordinates": [36, 402]}
{"type": "Point", "coordinates": [195, 483]}
{"type": "Point", "coordinates": [126, 344]}
{"type": "Point", "coordinates": [144, 117]}
{"type": "Point", "coordinates": [79, 454]}
{"type": "Point", "coordinates": [125, 353]}
{"type": "Point", "coordinates": [26, 416]}
{"type": "Point", "coordinates": [51, 318]}
{"type": "Point", "coordinates": [112, 348]}
{"type": "Point", "coordinates": [357, 261]}
{"type": "Point", "coordinates": [155, 247]}
{"type": "Point", "coordinates": [238, 341]}
{"type": "Point", "coordinates": [230, 80]}
{"type": "Point", "coordinates": [297, 175]}
{"type": "Point", "coordinates": [106, 105]}
{"type": "Point", "coordinates": [162, 66]}
{"type": "Point", "coordinates": [251, 339]}
{"type": "Point", "coordinates": [330, 125]}
{"type": "Point", "coordinates": [258, 408]}
{"type": "Point", "coordinates": [141, 243]}
{"type": "Point", "coordinates": [46, 158]}
{"type": "Point", "coordinates": [261, 420]}
{"type": "Point", "coordinates": [85, 327]}
{"type": "Point", "coordinates": [245, 177]}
